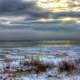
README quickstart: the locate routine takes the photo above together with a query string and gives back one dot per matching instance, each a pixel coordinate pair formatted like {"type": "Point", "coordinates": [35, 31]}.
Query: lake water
{"type": "Point", "coordinates": [31, 46]}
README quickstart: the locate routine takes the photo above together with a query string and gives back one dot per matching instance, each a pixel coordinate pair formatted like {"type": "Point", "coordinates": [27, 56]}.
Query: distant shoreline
{"type": "Point", "coordinates": [23, 43]}
{"type": "Point", "coordinates": [45, 41]}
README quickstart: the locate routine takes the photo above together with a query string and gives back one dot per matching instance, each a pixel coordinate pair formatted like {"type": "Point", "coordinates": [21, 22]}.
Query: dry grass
{"type": "Point", "coordinates": [38, 66]}
{"type": "Point", "coordinates": [70, 66]}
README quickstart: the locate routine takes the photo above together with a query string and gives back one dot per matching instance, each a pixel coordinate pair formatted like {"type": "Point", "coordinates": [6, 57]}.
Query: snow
{"type": "Point", "coordinates": [45, 59]}
{"type": "Point", "coordinates": [2, 64]}
{"type": "Point", "coordinates": [44, 77]}
{"type": "Point", "coordinates": [51, 60]}
{"type": "Point", "coordinates": [15, 64]}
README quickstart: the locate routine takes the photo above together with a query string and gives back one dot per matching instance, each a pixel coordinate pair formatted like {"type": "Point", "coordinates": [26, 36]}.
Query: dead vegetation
{"type": "Point", "coordinates": [38, 66]}
{"type": "Point", "coordinates": [71, 66]}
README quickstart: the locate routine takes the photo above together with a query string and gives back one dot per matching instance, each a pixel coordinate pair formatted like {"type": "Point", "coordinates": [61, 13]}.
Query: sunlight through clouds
{"type": "Point", "coordinates": [59, 5]}
{"type": "Point", "coordinates": [39, 19]}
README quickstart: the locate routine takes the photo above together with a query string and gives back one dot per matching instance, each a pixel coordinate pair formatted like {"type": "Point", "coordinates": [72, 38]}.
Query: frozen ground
{"type": "Point", "coordinates": [46, 76]}
{"type": "Point", "coordinates": [73, 52]}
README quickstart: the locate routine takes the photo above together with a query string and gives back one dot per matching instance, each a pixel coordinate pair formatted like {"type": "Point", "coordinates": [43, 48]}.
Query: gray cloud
{"type": "Point", "coordinates": [66, 14]}
{"type": "Point", "coordinates": [10, 7]}
{"type": "Point", "coordinates": [30, 32]}
{"type": "Point", "coordinates": [44, 27]}
{"type": "Point", "coordinates": [22, 34]}
{"type": "Point", "coordinates": [24, 31]}
{"type": "Point", "coordinates": [18, 7]}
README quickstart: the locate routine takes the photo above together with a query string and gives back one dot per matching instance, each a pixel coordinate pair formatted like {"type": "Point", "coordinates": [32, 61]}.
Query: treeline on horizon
{"type": "Point", "coordinates": [59, 42]}
{"type": "Point", "coordinates": [46, 41]}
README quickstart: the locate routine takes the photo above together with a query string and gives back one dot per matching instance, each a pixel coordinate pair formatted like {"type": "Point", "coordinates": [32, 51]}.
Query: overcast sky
{"type": "Point", "coordinates": [20, 20]}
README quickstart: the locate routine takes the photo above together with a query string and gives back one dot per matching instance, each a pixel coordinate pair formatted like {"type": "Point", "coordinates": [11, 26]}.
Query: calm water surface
{"type": "Point", "coordinates": [33, 46]}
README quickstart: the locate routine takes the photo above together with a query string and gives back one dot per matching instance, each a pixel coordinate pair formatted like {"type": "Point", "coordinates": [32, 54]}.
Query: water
{"type": "Point", "coordinates": [32, 46]}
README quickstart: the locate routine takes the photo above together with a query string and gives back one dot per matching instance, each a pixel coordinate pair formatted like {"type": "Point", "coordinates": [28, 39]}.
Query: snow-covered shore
{"type": "Point", "coordinates": [50, 74]}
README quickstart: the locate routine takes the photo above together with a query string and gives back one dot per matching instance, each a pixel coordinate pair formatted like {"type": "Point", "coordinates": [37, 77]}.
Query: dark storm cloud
{"type": "Point", "coordinates": [66, 14]}
{"type": "Point", "coordinates": [19, 7]}
{"type": "Point", "coordinates": [22, 30]}
{"type": "Point", "coordinates": [14, 7]}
